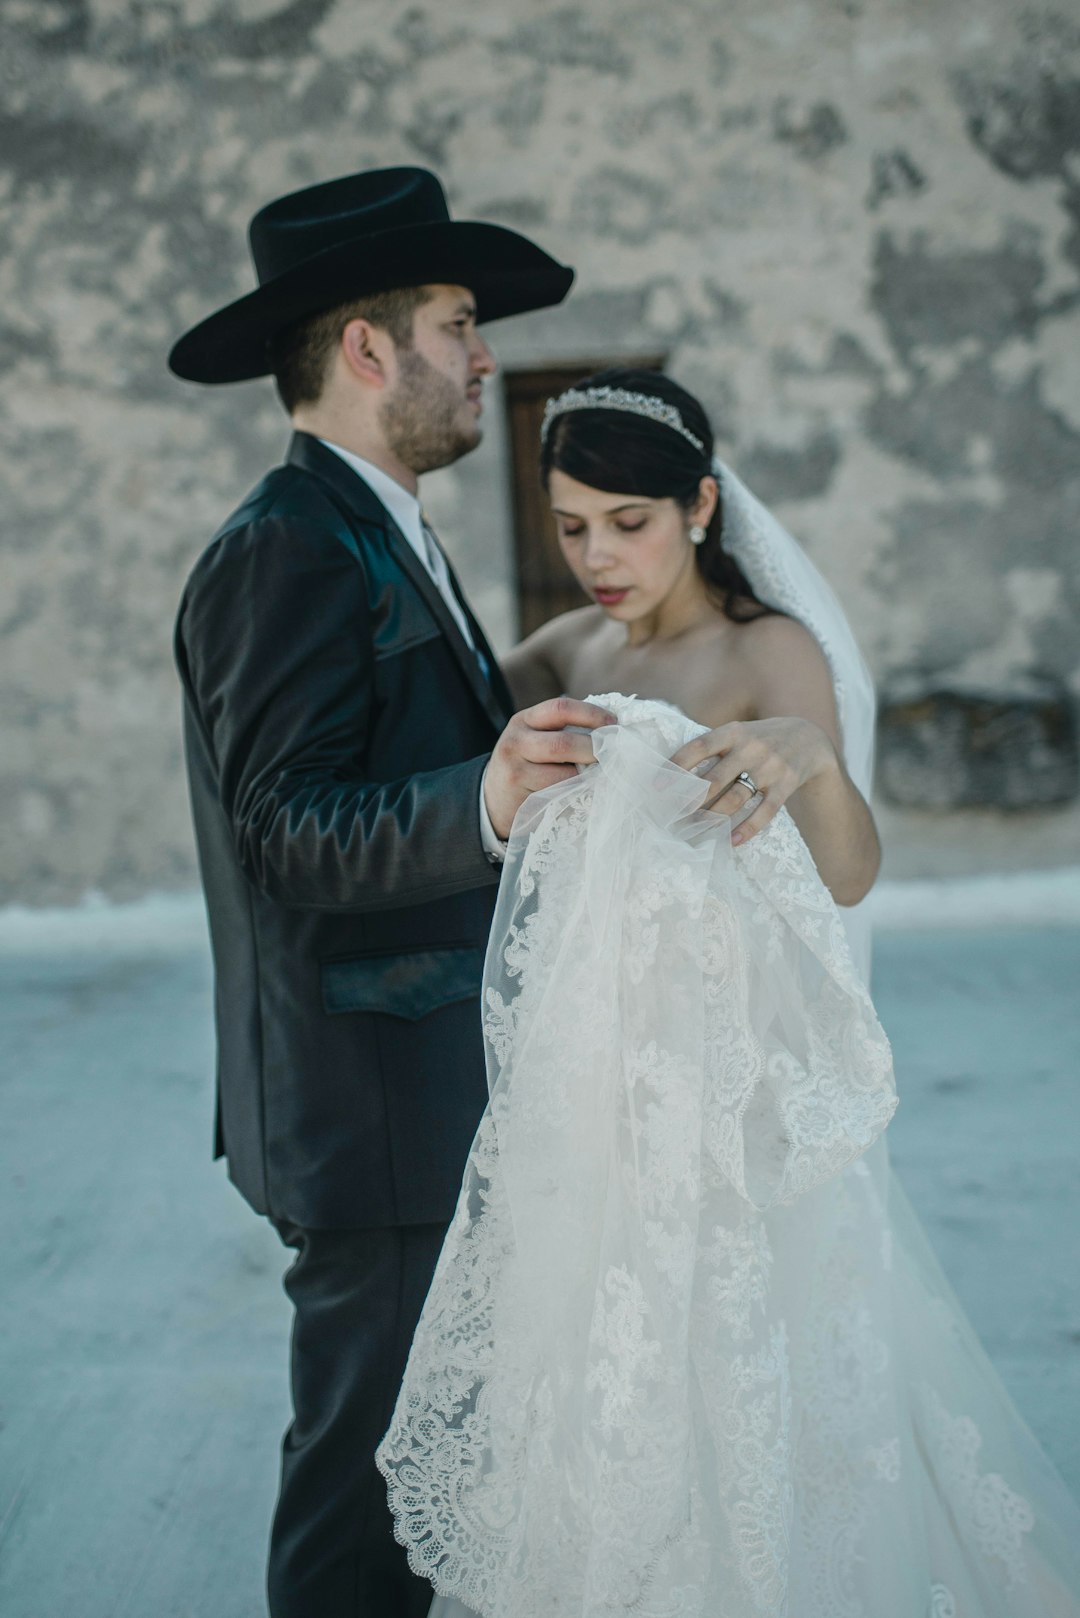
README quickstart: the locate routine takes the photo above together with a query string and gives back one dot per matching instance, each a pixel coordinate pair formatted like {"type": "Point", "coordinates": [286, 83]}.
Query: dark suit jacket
{"type": "Point", "coordinates": [336, 729]}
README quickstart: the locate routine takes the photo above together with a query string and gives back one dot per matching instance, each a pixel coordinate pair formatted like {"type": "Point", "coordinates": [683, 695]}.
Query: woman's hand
{"type": "Point", "coordinates": [779, 756]}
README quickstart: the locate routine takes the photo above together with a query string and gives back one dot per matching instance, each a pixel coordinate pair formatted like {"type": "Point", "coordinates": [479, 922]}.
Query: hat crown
{"type": "Point", "coordinates": [293, 229]}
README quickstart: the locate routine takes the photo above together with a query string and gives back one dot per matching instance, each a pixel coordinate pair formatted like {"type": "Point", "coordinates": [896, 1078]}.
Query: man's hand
{"type": "Point", "coordinates": [534, 751]}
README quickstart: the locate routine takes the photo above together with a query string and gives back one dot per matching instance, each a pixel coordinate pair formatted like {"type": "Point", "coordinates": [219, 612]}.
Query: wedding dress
{"type": "Point", "coordinates": [686, 1352]}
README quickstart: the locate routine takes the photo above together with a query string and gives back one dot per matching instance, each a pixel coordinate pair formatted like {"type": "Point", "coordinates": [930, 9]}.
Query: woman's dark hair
{"type": "Point", "coordinates": [624, 453]}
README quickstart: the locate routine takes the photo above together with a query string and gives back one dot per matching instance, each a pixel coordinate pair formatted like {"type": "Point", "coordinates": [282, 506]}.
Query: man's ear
{"type": "Point", "coordinates": [368, 352]}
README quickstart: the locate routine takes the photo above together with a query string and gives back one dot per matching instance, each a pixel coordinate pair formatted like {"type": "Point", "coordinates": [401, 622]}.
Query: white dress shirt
{"type": "Point", "coordinates": [406, 511]}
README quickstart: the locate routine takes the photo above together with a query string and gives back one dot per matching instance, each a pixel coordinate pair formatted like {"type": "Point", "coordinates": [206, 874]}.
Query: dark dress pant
{"type": "Point", "coordinates": [357, 1296]}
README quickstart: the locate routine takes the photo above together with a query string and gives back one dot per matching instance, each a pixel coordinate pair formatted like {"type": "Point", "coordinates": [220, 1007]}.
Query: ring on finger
{"type": "Point", "coordinates": [743, 779]}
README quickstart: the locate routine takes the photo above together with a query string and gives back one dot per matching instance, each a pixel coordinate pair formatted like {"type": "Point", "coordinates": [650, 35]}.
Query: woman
{"type": "Point", "coordinates": [686, 1352]}
{"type": "Point", "coordinates": [676, 618]}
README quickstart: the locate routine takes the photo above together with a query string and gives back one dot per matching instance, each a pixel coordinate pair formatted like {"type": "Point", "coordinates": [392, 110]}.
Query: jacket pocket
{"type": "Point", "coordinates": [411, 984]}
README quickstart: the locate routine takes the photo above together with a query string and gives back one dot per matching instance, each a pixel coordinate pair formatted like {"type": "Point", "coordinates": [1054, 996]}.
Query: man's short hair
{"type": "Point", "coordinates": [300, 355]}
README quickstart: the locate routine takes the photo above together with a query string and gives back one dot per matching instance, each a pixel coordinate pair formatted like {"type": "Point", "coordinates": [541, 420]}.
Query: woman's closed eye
{"type": "Point", "coordinates": [620, 528]}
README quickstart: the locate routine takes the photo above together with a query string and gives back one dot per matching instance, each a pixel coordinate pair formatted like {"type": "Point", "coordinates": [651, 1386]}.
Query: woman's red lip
{"type": "Point", "coordinates": [611, 595]}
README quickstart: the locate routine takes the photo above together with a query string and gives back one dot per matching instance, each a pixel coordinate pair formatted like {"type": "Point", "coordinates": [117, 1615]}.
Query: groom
{"type": "Point", "coordinates": [354, 765]}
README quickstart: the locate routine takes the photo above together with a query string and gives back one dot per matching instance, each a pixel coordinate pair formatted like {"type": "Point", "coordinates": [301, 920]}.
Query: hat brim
{"type": "Point", "coordinates": [506, 273]}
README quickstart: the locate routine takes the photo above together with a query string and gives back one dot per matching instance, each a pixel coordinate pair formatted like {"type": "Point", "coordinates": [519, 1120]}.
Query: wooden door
{"type": "Point", "coordinates": [545, 585]}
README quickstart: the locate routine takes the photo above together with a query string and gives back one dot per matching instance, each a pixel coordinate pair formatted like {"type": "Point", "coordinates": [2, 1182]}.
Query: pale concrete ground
{"type": "Point", "coordinates": [143, 1337]}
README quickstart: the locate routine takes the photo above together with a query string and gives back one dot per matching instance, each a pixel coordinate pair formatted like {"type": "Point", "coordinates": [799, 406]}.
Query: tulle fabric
{"type": "Point", "coordinates": [686, 1352]}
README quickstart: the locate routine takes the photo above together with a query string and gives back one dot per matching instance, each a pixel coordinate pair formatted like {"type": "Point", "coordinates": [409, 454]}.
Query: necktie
{"type": "Point", "coordinates": [439, 569]}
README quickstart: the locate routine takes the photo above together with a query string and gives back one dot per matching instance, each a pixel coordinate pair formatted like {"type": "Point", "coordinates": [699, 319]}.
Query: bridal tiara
{"type": "Point", "coordinates": [637, 404]}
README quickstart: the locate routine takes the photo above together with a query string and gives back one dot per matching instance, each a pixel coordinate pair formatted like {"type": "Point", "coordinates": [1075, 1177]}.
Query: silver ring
{"type": "Point", "coordinates": [747, 781]}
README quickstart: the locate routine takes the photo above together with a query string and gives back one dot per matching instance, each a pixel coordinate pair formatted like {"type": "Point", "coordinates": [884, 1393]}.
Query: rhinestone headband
{"type": "Point", "coordinates": [637, 404]}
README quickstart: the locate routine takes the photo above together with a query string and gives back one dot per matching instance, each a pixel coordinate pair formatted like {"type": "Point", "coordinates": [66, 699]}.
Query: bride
{"type": "Point", "coordinates": [686, 1353]}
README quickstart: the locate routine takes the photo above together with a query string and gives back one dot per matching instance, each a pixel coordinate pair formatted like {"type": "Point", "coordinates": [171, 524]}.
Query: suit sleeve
{"type": "Point", "coordinates": [275, 649]}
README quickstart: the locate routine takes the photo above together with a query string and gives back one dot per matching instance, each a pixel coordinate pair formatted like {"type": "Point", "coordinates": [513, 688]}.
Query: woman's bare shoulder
{"type": "Point", "coordinates": [567, 628]}
{"type": "Point", "coordinates": [554, 641]}
{"type": "Point", "coordinates": [787, 672]}
{"type": "Point", "coordinates": [775, 635]}
{"type": "Point", "coordinates": [538, 667]}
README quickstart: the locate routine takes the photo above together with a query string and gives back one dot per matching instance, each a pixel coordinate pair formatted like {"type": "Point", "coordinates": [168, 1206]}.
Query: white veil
{"type": "Point", "coordinates": [784, 577]}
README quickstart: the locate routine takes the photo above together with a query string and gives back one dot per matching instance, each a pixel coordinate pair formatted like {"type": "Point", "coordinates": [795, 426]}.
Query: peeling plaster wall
{"type": "Point", "coordinates": [853, 224]}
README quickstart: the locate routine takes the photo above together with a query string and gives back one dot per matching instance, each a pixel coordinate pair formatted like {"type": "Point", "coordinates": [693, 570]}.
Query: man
{"type": "Point", "coordinates": [354, 766]}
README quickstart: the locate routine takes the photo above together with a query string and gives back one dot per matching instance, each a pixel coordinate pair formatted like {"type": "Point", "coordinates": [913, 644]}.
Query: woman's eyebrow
{"type": "Point", "coordinates": [631, 505]}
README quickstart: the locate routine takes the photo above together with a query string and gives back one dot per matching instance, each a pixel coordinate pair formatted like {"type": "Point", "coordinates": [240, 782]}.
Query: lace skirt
{"type": "Point", "coordinates": [687, 1353]}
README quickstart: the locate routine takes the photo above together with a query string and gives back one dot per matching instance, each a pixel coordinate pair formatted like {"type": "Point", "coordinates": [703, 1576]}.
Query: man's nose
{"type": "Point", "coordinates": [484, 362]}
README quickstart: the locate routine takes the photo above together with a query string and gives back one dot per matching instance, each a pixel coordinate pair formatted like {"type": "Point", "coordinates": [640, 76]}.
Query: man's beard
{"type": "Point", "coordinates": [423, 419]}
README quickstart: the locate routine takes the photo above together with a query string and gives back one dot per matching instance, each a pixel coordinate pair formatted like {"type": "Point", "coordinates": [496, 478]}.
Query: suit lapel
{"type": "Point", "coordinates": [411, 564]}
{"type": "Point", "coordinates": [361, 501]}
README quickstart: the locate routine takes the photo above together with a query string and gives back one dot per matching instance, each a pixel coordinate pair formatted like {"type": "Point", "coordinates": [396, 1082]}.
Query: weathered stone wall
{"type": "Point", "coordinates": [853, 224]}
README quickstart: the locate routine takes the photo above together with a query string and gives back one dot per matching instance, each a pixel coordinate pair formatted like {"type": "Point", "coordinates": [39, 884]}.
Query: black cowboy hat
{"type": "Point", "coordinates": [363, 233]}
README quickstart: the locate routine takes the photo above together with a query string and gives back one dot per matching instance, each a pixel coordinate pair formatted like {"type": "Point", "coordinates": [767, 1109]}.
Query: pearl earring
{"type": "Point", "coordinates": [697, 534]}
